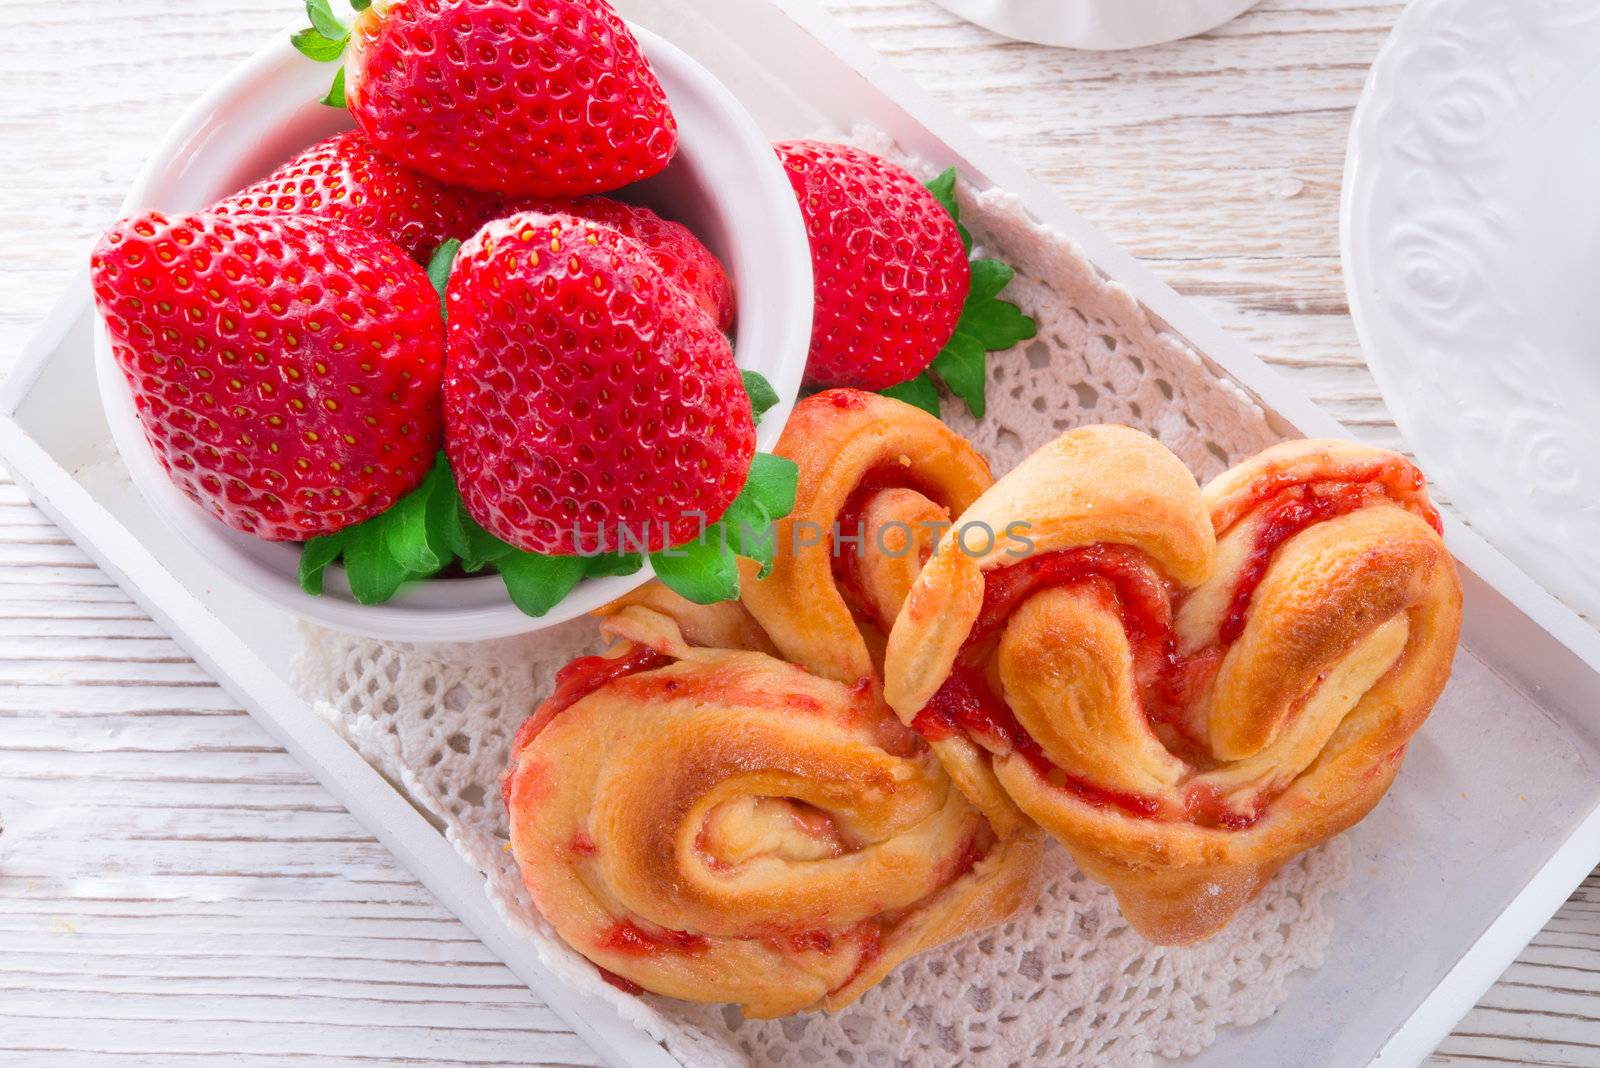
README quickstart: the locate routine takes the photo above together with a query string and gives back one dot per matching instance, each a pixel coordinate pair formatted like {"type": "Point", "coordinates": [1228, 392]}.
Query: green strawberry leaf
{"type": "Point", "coordinates": [479, 549]}
{"type": "Point", "coordinates": [325, 22]}
{"type": "Point", "coordinates": [385, 551]}
{"type": "Point", "coordinates": [772, 484]}
{"type": "Point", "coordinates": [747, 531]}
{"type": "Point", "coordinates": [360, 5]}
{"type": "Point", "coordinates": [994, 323]}
{"type": "Point", "coordinates": [315, 556]}
{"type": "Point", "coordinates": [408, 526]}
{"type": "Point", "coordinates": [613, 565]}
{"type": "Point", "coordinates": [439, 264]}
{"type": "Point", "coordinates": [963, 366]}
{"type": "Point", "coordinates": [706, 569]}
{"type": "Point", "coordinates": [324, 41]}
{"type": "Point", "coordinates": [310, 43]}
{"type": "Point", "coordinates": [539, 583]}
{"type": "Point", "coordinates": [989, 277]}
{"type": "Point", "coordinates": [375, 575]}
{"type": "Point", "coordinates": [447, 535]}
{"type": "Point", "coordinates": [406, 536]}
{"type": "Point", "coordinates": [429, 529]}
{"type": "Point", "coordinates": [763, 398]}
{"type": "Point", "coordinates": [987, 324]}
{"type": "Point", "coordinates": [919, 392]}
{"type": "Point", "coordinates": [703, 571]}
{"type": "Point", "coordinates": [943, 189]}
{"type": "Point", "coordinates": [335, 97]}
{"type": "Point", "coordinates": [415, 539]}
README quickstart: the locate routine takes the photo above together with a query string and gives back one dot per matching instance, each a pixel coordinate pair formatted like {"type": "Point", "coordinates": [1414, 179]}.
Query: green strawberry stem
{"type": "Point", "coordinates": [987, 324]}
{"type": "Point", "coordinates": [429, 532]}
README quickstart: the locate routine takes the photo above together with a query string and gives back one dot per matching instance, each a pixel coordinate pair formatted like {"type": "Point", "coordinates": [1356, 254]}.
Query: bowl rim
{"type": "Point", "coordinates": [472, 608]}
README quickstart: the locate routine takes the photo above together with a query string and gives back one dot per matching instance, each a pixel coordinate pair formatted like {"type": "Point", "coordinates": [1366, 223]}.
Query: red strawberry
{"type": "Point", "coordinates": [890, 267]}
{"type": "Point", "coordinates": [551, 98]}
{"type": "Point", "coordinates": [347, 179]}
{"type": "Point", "coordinates": [286, 370]}
{"type": "Point", "coordinates": [679, 254]}
{"type": "Point", "coordinates": [589, 405]}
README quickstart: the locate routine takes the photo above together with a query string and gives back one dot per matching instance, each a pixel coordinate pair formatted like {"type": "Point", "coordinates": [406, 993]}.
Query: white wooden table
{"type": "Point", "coordinates": [173, 888]}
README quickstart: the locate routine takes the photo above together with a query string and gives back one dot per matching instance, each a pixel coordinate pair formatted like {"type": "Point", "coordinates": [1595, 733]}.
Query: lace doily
{"type": "Point", "coordinates": [1067, 982]}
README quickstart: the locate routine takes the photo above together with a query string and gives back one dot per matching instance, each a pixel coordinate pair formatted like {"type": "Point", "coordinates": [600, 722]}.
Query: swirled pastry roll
{"type": "Point", "coordinates": [703, 819]}
{"type": "Point", "coordinates": [1185, 688]}
{"type": "Point", "coordinates": [718, 825]}
{"type": "Point", "coordinates": [879, 482]}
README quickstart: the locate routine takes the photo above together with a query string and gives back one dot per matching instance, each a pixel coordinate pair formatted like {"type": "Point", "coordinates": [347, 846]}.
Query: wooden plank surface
{"type": "Point", "coordinates": [174, 890]}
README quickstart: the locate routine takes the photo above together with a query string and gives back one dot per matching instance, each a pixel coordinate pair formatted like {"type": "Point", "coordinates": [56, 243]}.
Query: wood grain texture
{"type": "Point", "coordinates": [174, 890]}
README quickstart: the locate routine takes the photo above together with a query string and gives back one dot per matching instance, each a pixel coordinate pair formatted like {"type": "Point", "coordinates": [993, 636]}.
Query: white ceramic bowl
{"type": "Point", "coordinates": [725, 184]}
{"type": "Point", "coordinates": [1101, 25]}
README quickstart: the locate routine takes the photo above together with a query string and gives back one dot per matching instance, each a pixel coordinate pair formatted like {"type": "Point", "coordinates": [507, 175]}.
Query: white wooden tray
{"type": "Point", "coordinates": [1495, 821]}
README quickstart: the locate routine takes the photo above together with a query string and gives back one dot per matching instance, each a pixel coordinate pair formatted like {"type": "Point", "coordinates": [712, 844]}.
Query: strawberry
{"type": "Point", "coordinates": [679, 254]}
{"type": "Point", "coordinates": [347, 179]}
{"type": "Point", "coordinates": [546, 98]}
{"type": "Point", "coordinates": [590, 406]}
{"type": "Point", "coordinates": [285, 369]}
{"type": "Point", "coordinates": [889, 262]}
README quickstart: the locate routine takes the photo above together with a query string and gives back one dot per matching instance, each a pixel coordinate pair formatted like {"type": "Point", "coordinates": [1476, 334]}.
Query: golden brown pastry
{"type": "Point", "coordinates": [1186, 689]}
{"type": "Point", "coordinates": [704, 820]}
{"type": "Point", "coordinates": [878, 477]}
{"type": "Point", "coordinates": [718, 825]}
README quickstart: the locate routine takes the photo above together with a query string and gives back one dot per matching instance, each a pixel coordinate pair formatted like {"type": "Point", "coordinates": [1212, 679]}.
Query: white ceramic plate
{"type": "Point", "coordinates": [725, 185]}
{"type": "Point", "coordinates": [1099, 24]}
{"type": "Point", "coordinates": [1471, 240]}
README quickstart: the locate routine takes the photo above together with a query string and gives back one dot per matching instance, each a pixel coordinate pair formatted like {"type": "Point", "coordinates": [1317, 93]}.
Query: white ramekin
{"type": "Point", "coordinates": [725, 184]}
{"type": "Point", "coordinates": [1101, 25]}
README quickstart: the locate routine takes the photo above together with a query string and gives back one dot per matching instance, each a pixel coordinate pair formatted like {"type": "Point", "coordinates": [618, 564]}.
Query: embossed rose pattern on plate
{"type": "Point", "coordinates": [1471, 237]}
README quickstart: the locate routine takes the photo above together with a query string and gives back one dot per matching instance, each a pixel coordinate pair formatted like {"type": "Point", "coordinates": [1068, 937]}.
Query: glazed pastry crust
{"type": "Point", "coordinates": [743, 819]}
{"type": "Point", "coordinates": [1304, 653]}
{"type": "Point", "coordinates": [727, 827]}
{"type": "Point", "coordinates": [840, 439]}
{"type": "Point", "coordinates": [1146, 495]}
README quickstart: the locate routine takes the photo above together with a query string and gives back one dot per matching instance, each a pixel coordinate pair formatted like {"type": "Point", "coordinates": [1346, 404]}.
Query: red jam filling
{"type": "Point", "coordinates": [1204, 806]}
{"type": "Point", "coordinates": [965, 703]}
{"type": "Point", "coordinates": [846, 398]}
{"type": "Point", "coordinates": [625, 936]}
{"type": "Point", "coordinates": [1396, 477]}
{"type": "Point", "coordinates": [849, 534]}
{"type": "Point", "coordinates": [1141, 598]}
{"type": "Point", "coordinates": [810, 942]}
{"type": "Point", "coordinates": [627, 986]}
{"type": "Point", "coordinates": [582, 845]}
{"type": "Point", "coordinates": [1169, 683]}
{"type": "Point", "coordinates": [1297, 509]}
{"type": "Point", "coordinates": [1142, 603]}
